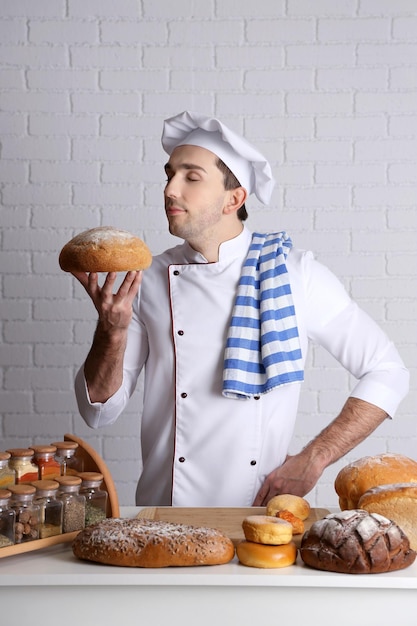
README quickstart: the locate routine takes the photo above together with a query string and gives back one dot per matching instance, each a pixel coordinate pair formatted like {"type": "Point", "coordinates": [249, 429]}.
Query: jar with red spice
{"type": "Point", "coordinates": [48, 466]}
{"type": "Point", "coordinates": [70, 461]}
{"type": "Point", "coordinates": [21, 461]}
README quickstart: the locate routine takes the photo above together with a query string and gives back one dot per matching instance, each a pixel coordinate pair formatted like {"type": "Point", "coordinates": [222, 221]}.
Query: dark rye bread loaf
{"type": "Point", "coordinates": [149, 543]}
{"type": "Point", "coordinates": [356, 542]}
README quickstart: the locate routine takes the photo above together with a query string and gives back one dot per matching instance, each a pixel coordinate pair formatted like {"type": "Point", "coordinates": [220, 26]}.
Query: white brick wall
{"type": "Point", "coordinates": [327, 89]}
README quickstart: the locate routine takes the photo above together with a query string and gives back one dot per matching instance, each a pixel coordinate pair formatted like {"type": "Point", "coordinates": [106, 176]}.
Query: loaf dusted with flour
{"type": "Point", "coordinates": [150, 543]}
{"type": "Point", "coordinates": [105, 249]}
{"type": "Point", "coordinates": [372, 471]}
{"type": "Point", "coordinates": [356, 542]}
{"type": "Point", "coordinates": [397, 502]}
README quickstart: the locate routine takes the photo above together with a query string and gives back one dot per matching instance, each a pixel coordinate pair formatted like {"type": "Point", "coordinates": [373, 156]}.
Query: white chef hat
{"type": "Point", "coordinates": [248, 165]}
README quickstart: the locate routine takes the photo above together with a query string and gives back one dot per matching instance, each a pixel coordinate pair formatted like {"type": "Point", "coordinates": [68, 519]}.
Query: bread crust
{"type": "Point", "coordinates": [266, 556]}
{"type": "Point", "coordinates": [372, 471]}
{"type": "Point", "coordinates": [397, 502]}
{"type": "Point", "coordinates": [356, 542]}
{"type": "Point", "coordinates": [288, 502]}
{"type": "Point", "coordinates": [105, 249]}
{"type": "Point", "coordinates": [268, 530]}
{"type": "Point", "coordinates": [150, 543]}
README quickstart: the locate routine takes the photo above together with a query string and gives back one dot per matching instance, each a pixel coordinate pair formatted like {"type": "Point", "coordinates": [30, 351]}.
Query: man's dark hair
{"type": "Point", "coordinates": [231, 182]}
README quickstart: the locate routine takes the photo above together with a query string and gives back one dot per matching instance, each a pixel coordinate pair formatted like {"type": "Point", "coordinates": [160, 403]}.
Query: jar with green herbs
{"type": "Point", "coordinates": [50, 508]}
{"type": "Point", "coordinates": [73, 503]}
{"type": "Point", "coordinates": [27, 512]}
{"type": "Point", "coordinates": [7, 474]}
{"type": "Point", "coordinates": [68, 458]}
{"type": "Point", "coordinates": [21, 461]}
{"type": "Point", "coordinates": [7, 519]}
{"type": "Point", "coordinates": [95, 497]}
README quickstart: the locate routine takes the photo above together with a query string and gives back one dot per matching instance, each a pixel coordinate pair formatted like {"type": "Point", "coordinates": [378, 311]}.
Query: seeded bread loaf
{"type": "Point", "coordinates": [150, 543]}
{"type": "Point", "coordinates": [356, 542]}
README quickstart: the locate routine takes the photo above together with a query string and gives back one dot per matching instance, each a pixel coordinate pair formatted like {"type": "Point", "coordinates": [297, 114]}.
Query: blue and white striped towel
{"type": "Point", "coordinates": [263, 346]}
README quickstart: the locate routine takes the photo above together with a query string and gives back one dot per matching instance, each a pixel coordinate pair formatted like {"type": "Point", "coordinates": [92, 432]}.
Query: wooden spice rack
{"type": "Point", "coordinates": [92, 463]}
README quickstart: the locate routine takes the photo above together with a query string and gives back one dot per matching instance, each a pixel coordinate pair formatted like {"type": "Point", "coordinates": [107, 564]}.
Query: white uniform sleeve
{"type": "Point", "coordinates": [97, 414]}
{"type": "Point", "coordinates": [354, 339]}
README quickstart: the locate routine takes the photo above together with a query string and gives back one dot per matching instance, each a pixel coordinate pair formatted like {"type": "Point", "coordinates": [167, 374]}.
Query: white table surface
{"type": "Point", "coordinates": [52, 582]}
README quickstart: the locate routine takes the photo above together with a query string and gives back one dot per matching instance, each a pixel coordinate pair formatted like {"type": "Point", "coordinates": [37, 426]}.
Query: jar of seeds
{"type": "Point", "coordinates": [66, 455]}
{"type": "Point", "coordinates": [21, 461]}
{"type": "Point", "coordinates": [50, 508]}
{"type": "Point", "coordinates": [27, 512]}
{"type": "Point", "coordinates": [7, 474]}
{"type": "Point", "coordinates": [48, 466]}
{"type": "Point", "coordinates": [95, 497]}
{"type": "Point", "coordinates": [73, 503]}
{"type": "Point", "coordinates": [7, 519]}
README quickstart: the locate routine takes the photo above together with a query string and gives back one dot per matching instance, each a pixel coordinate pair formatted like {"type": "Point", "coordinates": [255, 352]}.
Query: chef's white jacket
{"type": "Point", "coordinates": [198, 447]}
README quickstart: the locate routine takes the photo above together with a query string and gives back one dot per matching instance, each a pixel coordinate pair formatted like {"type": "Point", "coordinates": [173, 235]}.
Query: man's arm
{"type": "Point", "coordinates": [103, 367]}
{"type": "Point", "coordinates": [300, 473]}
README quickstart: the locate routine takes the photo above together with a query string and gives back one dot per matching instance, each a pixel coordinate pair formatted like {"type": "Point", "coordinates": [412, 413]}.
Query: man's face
{"type": "Point", "coordinates": [194, 194]}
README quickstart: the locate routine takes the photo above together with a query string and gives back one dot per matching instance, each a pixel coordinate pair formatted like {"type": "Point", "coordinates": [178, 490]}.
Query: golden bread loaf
{"type": "Point", "coordinates": [149, 543]}
{"type": "Point", "coordinates": [397, 502]}
{"type": "Point", "coordinates": [372, 471]}
{"type": "Point", "coordinates": [288, 502]}
{"type": "Point", "coordinates": [254, 554]}
{"type": "Point", "coordinates": [356, 542]}
{"type": "Point", "coordinates": [105, 249]}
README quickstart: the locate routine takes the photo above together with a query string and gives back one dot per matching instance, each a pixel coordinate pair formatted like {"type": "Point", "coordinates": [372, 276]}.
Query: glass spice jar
{"type": "Point", "coordinates": [7, 519]}
{"type": "Point", "coordinates": [50, 508]}
{"type": "Point", "coordinates": [73, 503]}
{"type": "Point", "coordinates": [66, 455]}
{"type": "Point", "coordinates": [21, 461]}
{"type": "Point", "coordinates": [27, 512]}
{"type": "Point", "coordinates": [95, 497]}
{"type": "Point", "coordinates": [44, 458]}
{"type": "Point", "coordinates": [7, 474]}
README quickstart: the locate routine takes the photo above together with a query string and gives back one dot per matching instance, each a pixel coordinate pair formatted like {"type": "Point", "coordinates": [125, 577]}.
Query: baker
{"type": "Point", "coordinates": [222, 323]}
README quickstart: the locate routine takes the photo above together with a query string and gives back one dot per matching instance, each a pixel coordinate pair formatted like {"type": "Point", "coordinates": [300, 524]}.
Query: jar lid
{"type": "Point", "coordinates": [5, 456]}
{"type": "Point", "coordinates": [22, 489]}
{"type": "Point", "coordinates": [5, 494]}
{"type": "Point", "coordinates": [44, 449]}
{"type": "Point", "coordinates": [45, 486]}
{"type": "Point", "coordinates": [65, 445]}
{"type": "Point", "coordinates": [20, 452]}
{"type": "Point", "coordinates": [90, 476]}
{"type": "Point", "coordinates": [68, 480]}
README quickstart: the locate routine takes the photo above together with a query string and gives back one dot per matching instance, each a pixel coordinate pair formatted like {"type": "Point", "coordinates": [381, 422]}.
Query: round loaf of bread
{"type": "Point", "coordinates": [356, 542]}
{"type": "Point", "coordinates": [398, 503]}
{"type": "Point", "coordinates": [268, 530]}
{"type": "Point", "coordinates": [151, 543]}
{"type": "Point", "coordinates": [105, 249]}
{"type": "Point", "coordinates": [372, 471]}
{"type": "Point", "coordinates": [259, 555]}
{"type": "Point", "coordinates": [288, 502]}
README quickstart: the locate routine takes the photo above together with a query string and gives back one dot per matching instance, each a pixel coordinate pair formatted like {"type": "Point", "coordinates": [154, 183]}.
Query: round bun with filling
{"type": "Point", "coordinates": [267, 530]}
{"type": "Point", "coordinates": [105, 249]}
{"type": "Point", "coordinates": [397, 502]}
{"type": "Point", "coordinates": [260, 555]}
{"type": "Point", "coordinates": [372, 471]}
{"type": "Point", "coordinates": [288, 502]}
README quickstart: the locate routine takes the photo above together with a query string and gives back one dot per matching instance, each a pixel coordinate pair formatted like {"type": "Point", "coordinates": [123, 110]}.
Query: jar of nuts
{"type": "Point", "coordinates": [27, 512]}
